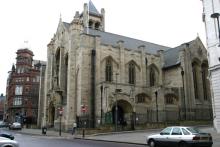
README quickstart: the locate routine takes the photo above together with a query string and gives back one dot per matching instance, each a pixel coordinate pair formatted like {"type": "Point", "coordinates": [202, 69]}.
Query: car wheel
{"type": "Point", "coordinates": [152, 143]}
{"type": "Point", "coordinates": [183, 144]}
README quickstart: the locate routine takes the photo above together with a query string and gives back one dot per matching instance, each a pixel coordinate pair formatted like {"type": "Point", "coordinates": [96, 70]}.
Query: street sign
{"type": "Point", "coordinates": [60, 109]}
{"type": "Point", "coordinates": [83, 108]}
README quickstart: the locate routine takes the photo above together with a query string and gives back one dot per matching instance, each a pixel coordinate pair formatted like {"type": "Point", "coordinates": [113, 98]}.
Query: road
{"type": "Point", "coordinates": [44, 141]}
{"type": "Point", "coordinates": [49, 141]}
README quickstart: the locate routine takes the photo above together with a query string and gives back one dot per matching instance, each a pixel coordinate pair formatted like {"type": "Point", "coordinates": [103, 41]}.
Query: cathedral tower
{"type": "Point", "coordinates": [92, 18]}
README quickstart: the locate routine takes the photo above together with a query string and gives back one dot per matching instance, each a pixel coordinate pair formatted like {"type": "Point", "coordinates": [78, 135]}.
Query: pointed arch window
{"type": "Point", "coordinates": [146, 62]}
{"type": "Point", "coordinates": [90, 23]}
{"type": "Point", "coordinates": [141, 98]}
{"type": "Point", "coordinates": [204, 80]}
{"type": "Point", "coordinates": [97, 24]}
{"type": "Point", "coordinates": [108, 70]}
{"type": "Point", "coordinates": [57, 70]}
{"type": "Point", "coordinates": [152, 77]}
{"type": "Point", "coordinates": [131, 72]}
{"type": "Point", "coordinates": [171, 99]}
{"type": "Point", "coordinates": [66, 79]}
{"type": "Point", "coordinates": [195, 81]}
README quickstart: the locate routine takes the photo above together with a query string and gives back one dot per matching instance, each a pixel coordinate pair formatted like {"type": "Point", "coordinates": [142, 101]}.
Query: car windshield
{"type": "Point", "coordinates": [193, 130]}
{"type": "Point", "coordinates": [166, 131]}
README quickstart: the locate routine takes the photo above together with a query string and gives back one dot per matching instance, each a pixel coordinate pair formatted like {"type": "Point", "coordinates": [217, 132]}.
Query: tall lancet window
{"type": "Point", "coordinates": [97, 24]}
{"type": "Point", "coordinates": [195, 79]}
{"type": "Point", "coordinates": [108, 70]}
{"type": "Point", "coordinates": [204, 80]}
{"type": "Point", "coordinates": [66, 79]}
{"type": "Point", "coordinates": [131, 72]}
{"type": "Point", "coordinates": [90, 23]}
{"type": "Point", "coordinates": [146, 62]}
{"type": "Point", "coordinates": [57, 70]}
{"type": "Point", "coordinates": [152, 77]}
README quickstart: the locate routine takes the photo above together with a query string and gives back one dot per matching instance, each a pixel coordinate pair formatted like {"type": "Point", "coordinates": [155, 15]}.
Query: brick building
{"type": "Point", "coordinates": [22, 90]}
{"type": "Point", "coordinates": [2, 106]}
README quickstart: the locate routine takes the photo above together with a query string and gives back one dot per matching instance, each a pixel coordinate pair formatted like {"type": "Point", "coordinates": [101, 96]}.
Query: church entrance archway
{"type": "Point", "coordinates": [119, 114]}
{"type": "Point", "coordinates": [51, 115]}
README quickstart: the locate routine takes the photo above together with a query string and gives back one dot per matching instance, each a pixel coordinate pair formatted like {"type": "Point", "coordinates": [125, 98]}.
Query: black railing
{"type": "Point", "coordinates": [171, 116]}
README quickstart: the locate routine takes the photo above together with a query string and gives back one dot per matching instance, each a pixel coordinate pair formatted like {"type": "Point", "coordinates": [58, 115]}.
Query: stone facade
{"type": "Point", "coordinates": [94, 77]}
{"type": "Point", "coordinates": [41, 95]}
{"type": "Point", "coordinates": [213, 47]}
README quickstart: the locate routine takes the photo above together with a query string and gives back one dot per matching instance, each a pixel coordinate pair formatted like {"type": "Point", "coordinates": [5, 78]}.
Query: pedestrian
{"type": "Point", "coordinates": [74, 128]}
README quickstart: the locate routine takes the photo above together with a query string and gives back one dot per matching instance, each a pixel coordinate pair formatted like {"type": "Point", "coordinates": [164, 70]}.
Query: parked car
{"type": "Point", "coordinates": [180, 136]}
{"type": "Point", "coordinates": [5, 142]}
{"type": "Point", "coordinates": [15, 125]}
{"type": "Point", "coordinates": [7, 135]}
{"type": "Point", "coordinates": [3, 124]}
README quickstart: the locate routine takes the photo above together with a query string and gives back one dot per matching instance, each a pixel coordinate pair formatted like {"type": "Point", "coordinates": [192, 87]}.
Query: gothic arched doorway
{"type": "Point", "coordinates": [119, 115]}
{"type": "Point", "coordinates": [124, 107]}
{"type": "Point", "coordinates": [51, 115]}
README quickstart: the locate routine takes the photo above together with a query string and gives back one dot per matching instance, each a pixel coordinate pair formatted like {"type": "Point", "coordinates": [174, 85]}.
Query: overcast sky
{"type": "Point", "coordinates": [164, 22]}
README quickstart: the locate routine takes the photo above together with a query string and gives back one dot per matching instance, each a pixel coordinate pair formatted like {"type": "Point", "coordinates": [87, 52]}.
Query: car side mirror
{"type": "Point", "coordinates": [161, 133]}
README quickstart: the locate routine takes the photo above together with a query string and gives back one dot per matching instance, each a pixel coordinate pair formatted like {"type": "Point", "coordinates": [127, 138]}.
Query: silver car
{"type": "Point", "coordinates": [5, 142]}
{"type": "Point", "coordinates": [15, 125]}
{"type": "Point", "coordinates": [180, 136]}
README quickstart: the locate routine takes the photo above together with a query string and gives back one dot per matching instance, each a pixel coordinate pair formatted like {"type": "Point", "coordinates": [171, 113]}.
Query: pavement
{"type": "Point", "coordinates": [132, 137]}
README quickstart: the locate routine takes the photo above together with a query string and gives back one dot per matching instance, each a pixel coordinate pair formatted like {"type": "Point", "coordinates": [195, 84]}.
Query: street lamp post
{"type": "Point", "coordinates": [156, 106]}
{"type": "Point", "coordinates": [60, 114]}
{"type": "Point", "coordinates": [133, 120]}
{"type": "Point", "coordinates": [60, 110]}
{"type": "Point", "coordinates": [184, 101]}
{"type": "Point", "coordinates": [116, 104]}
{"type": "Point", "coordinates": [106, 98]}
{"type": "Point", "coordinates": [216, 15]}
{"type": "Point", "coordinates": [101, 88]}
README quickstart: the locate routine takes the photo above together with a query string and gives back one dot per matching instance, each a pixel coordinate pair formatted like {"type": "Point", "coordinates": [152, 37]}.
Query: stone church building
{"type": "Point", "coordinates": [95, 77]}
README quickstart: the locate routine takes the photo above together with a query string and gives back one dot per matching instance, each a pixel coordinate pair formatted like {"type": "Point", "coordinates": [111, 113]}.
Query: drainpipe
{"type": "Point", "coordinates": [92, 102]}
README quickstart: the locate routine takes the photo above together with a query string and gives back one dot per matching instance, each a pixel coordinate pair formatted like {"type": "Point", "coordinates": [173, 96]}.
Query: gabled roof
{"type": "Point", "coordinates": [66, 25]}
{"type": "Point", "coordinates": [129, 43]}
{"type": "Point", "coordinates": [92, 8]}
{"type": "Point", "coordinates": [171, 57]}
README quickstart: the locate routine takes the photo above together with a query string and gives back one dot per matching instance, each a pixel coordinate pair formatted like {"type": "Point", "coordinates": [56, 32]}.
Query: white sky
{"type": "Point", "coordinates": [165, 22]}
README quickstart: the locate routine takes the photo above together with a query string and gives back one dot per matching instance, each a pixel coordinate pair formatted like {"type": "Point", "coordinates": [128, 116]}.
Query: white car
{"type": "Point", "coordinates": [15, 125]}
{"type": "Point", "coordinates": [180, 136]}
{"type": "Point", "coordinates": [5, 142]}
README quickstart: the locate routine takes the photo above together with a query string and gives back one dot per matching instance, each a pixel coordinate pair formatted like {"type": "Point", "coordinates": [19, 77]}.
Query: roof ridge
{"type": "Point", "coordinates": [132, 38]}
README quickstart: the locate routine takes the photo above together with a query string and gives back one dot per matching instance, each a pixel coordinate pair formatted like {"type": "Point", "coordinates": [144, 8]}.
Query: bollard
{"type": "Point", "coordinates": [83, 133]}
{"type": "Point", "coordinates": [44, 130]}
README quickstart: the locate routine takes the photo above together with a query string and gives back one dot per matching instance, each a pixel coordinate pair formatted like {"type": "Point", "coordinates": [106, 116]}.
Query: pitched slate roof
{"type": "Point", "coordinates": [171, 57]}
{"type": "Point", "coordinates": [67, 25]}
{"type": "Point", "coordinates": [92, 8]}
{"type": "Point", "coordinates": [129, 43]}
